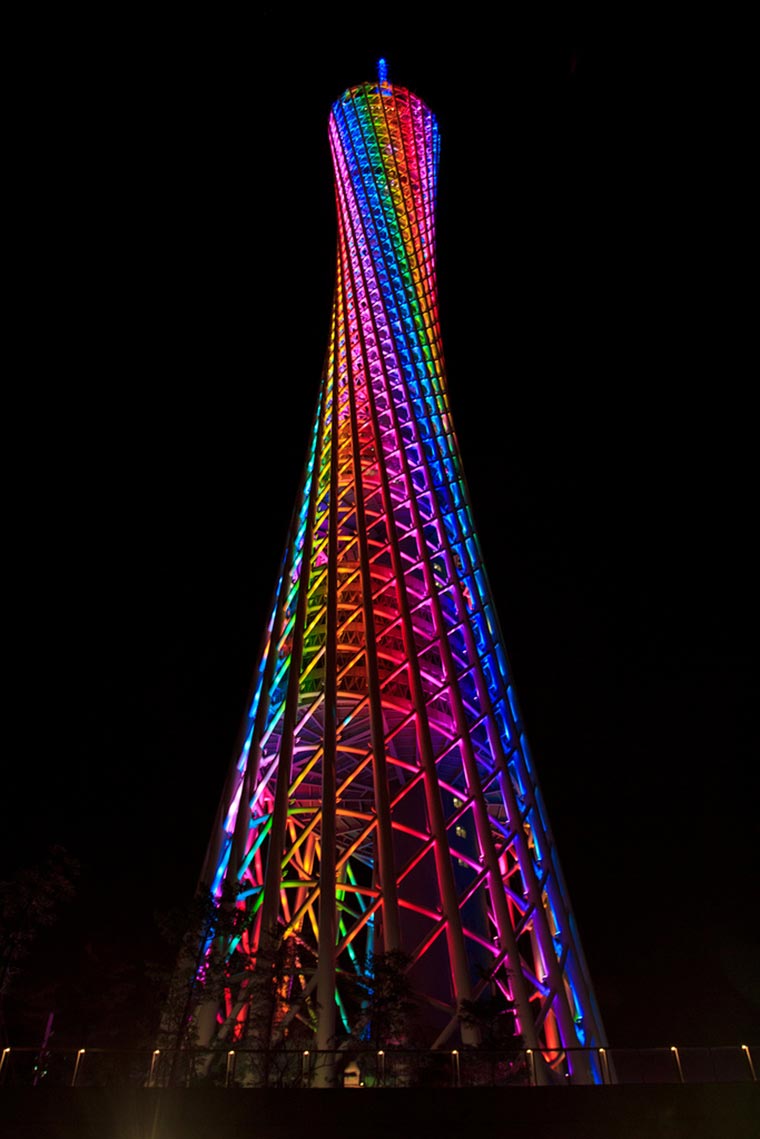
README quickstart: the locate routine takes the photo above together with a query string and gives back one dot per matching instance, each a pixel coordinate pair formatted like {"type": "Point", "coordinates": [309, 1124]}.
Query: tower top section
{"type": "Point", "coordinates": [382, 86]}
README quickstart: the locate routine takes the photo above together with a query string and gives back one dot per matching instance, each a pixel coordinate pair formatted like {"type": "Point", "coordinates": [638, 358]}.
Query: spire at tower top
{"type": "Point", "coordinates": [382, 71]}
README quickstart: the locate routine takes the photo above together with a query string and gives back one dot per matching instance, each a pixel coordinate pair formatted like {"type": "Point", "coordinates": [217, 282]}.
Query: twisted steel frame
{"type": "Point", "coordinates": [383, 797]}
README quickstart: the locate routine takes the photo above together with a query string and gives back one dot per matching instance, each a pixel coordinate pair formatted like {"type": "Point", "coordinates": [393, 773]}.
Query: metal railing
{"type": "Point", "coordinates": [385, 1068]}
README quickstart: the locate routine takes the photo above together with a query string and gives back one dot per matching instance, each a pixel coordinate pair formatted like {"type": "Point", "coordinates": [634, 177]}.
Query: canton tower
{"type": "Point", "coordinates": [382, 800]}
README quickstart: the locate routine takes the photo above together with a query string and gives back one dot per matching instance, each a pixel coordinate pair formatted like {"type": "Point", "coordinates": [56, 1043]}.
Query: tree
{"type": "Point", "coordinates": [32, 901]}
{"type": "Point", "coordinates": [390, 1005]}
{"type": "Point", "coordinates": [198, 934]}
{"type": "Point", "coordinates": [191, 991]}
{"type": "Point", "coordinates": [493, 1018]}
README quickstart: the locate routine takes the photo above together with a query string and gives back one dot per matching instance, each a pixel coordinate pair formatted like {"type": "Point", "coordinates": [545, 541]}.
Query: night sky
{"type": "Point", "coordinates": [173, 236]}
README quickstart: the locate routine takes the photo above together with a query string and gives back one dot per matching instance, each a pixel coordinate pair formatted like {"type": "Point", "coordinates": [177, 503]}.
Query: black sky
{"type": "Point", "coordinates": [175, 233]}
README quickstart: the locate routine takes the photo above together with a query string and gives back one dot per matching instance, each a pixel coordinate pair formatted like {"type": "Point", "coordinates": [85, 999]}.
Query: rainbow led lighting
{"type": "Point", "coordinates": [383, 796]}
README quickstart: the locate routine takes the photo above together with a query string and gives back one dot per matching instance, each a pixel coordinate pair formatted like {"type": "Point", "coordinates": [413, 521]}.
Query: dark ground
{"type": "Point", "coordinates": [667, 1112]}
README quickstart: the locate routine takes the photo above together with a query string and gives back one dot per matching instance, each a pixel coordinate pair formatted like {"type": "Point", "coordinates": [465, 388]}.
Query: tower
{"type": "Point", "coordinates": [382, 803]}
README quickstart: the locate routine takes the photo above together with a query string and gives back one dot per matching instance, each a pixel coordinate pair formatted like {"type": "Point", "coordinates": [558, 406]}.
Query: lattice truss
{"type": "Point", "coordinates": [384, 796]}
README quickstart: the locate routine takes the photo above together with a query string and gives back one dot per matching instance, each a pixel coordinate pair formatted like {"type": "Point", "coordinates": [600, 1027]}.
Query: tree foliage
{"type": "Point", "coordinates": [31, 901]}
{"type": "Point", "coordinates": [492, 1017]}
{"type": "Point", "coordinates": [389, 1010]}
{"type": "Point", "coordinates": [198, 935]}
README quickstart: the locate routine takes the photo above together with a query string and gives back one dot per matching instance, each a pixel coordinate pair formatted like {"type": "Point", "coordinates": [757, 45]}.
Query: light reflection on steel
{"type": "Point", "coordinates": [383, 797]}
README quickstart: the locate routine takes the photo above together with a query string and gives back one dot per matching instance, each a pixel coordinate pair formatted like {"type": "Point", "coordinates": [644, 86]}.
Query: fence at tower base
{"type": "Point", "coordinates": [356, 1068]}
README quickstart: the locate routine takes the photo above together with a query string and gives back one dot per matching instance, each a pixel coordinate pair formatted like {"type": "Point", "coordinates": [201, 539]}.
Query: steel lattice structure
{"type": "Point", "coordinates": [383, 797]}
